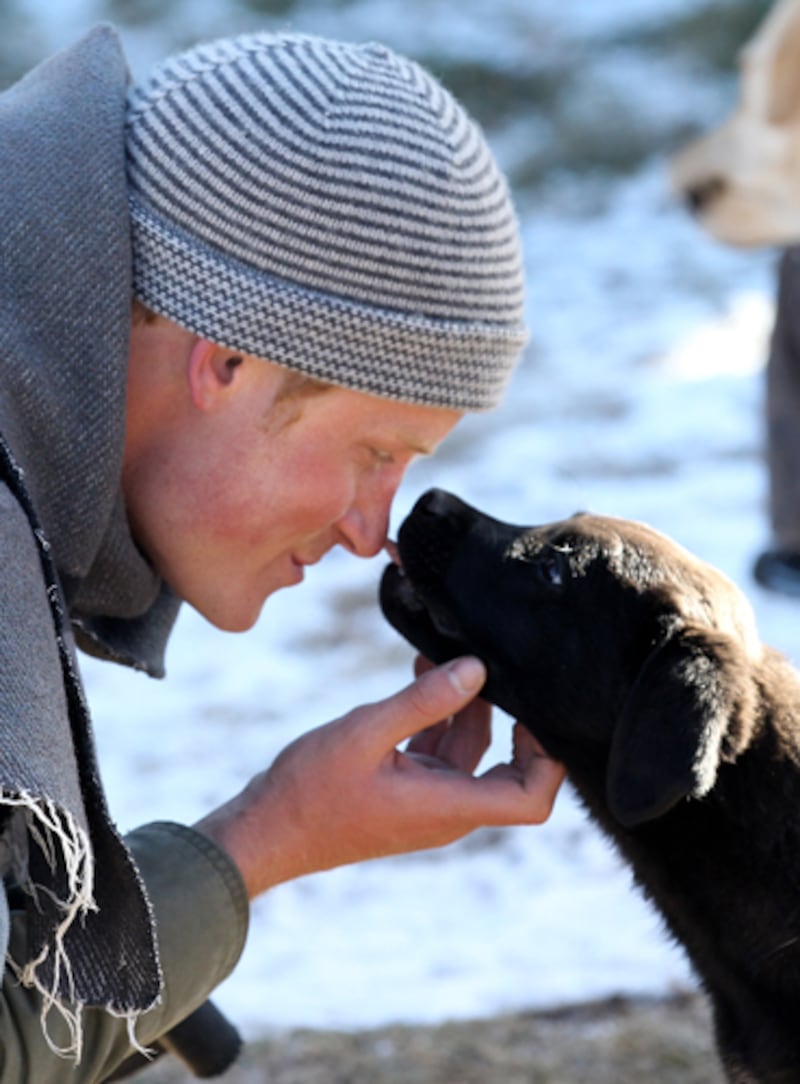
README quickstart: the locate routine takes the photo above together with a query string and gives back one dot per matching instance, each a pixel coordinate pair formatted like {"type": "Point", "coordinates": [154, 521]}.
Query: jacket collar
{"type": "Point", "coordinates": [65, 305]}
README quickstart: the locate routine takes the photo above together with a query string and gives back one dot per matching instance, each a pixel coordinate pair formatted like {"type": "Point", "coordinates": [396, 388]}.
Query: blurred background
{"type": "Point", "coordinates": [640, 395]}
{"type": "Point", "coordinates": [550, 82]}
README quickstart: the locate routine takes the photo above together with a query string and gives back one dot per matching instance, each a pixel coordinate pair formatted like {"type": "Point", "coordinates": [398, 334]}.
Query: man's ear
{"type": "Point", "coordinates": [691, 706]}
{"type": "Point", "coordinates": [211, 371]}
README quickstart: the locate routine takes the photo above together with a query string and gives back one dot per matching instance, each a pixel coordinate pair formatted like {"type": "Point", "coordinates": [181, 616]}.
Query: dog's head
{"type": "Point", "coordinates": [610, 642]}
{"type": "Point", "coordinates": [743, 179]}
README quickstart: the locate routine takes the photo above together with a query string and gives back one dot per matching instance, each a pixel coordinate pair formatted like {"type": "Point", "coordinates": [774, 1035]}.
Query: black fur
{"type": "Point", "coordinates": [639, 667]}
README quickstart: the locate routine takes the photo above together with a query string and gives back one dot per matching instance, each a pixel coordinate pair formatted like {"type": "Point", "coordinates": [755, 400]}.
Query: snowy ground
{"type": "Point", "coordinates": [640, 396]}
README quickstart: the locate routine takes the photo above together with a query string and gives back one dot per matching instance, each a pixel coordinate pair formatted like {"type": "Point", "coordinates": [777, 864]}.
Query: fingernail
{"type": "Point", "coordinates": [467, 674]}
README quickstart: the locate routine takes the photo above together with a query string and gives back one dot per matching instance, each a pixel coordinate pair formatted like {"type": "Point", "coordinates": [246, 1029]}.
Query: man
{"type": "Point", "coordinates": [326, 275]}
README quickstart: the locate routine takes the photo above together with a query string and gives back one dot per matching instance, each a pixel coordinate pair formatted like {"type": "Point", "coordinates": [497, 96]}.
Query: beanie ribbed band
{"type": "Point", "coordinates": [331, 208]}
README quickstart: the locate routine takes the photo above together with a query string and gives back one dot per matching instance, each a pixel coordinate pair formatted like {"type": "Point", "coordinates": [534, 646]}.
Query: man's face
{"type": "Point", "coordinates": [231, 497]}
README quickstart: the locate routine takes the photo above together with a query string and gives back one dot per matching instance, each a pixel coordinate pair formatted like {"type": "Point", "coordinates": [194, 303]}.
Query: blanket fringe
{"type": "Point", "coordinates": [56, 834]}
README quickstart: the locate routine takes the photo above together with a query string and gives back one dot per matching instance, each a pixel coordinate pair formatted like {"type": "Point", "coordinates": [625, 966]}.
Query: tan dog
{"type": "Point", "coordinates": [743, 179]}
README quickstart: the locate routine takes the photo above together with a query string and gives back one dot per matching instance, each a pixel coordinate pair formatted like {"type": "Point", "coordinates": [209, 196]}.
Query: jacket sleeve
{"type": "Point", "coordinates": [201, 913]}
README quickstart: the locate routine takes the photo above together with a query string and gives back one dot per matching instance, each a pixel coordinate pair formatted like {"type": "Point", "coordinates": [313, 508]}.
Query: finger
{"type": "Point", "coordinates": [465, 741]}
{"type": "Point", "coordinates": [541, 781]}
{"type": "Point", "coordinates": [535, 776]}
{"type": "Point", "coordinates": [514, 798]}
{"type": "Point", "coordinates": [461, 742]}
{"type": "Point", "coordinates": [542, 776]}
{"type": "Point", "coordinates": [422, 665]}
{"type": "Point", "coordinates": [432, 697]}
{"type": "Point", "coordinates": [525, 745]}
{"type": "Point", "coordinates": [501, 797]}
{"type": "Point", "coordinates": [427, 741]}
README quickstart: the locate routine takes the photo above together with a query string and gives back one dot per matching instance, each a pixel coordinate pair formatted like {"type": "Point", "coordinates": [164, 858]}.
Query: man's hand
{"type": "Point", "coordinates": [345, 792]}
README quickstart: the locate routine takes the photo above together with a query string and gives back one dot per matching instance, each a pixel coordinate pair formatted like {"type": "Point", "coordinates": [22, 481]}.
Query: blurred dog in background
{"type": "Point", "coordinates": [742, 183]}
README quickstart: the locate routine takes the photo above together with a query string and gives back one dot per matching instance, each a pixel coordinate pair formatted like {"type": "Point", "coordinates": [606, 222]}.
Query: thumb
{"type": "Point", "coordinates": [435, 695]}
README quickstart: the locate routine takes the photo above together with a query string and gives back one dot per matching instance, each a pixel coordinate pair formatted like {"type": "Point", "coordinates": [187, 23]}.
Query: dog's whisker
{"type": "Point", "coordinates": [784, 946]}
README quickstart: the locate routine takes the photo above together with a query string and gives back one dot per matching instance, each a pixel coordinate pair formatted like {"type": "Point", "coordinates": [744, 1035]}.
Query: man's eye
{"type": "Point", "coordinates": [382, 457]}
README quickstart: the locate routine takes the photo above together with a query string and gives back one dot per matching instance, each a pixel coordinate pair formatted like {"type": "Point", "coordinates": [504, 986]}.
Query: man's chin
{"type": "Point", "coordinates": [229, 624]}
{"type": "Point", "coordinates": [230, 613]}
{"type": "Point", "coordinates": [229, 618]}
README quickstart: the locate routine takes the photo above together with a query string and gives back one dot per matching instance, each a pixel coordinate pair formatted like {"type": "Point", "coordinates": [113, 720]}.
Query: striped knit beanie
{"type": "Point", "coordinates": [328, 207]}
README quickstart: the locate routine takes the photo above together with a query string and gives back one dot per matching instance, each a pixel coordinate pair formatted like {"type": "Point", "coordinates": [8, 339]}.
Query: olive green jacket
{"type": "Point", "coordinates": [201, 911]}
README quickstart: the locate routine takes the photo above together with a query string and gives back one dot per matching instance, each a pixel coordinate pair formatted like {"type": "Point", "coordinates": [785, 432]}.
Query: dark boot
{"type": "Point", "coordinates": [778, 570]}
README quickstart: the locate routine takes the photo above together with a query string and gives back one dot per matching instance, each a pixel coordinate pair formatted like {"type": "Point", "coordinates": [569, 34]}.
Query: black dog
{"type": "Point", "coordinates": [639, 667]}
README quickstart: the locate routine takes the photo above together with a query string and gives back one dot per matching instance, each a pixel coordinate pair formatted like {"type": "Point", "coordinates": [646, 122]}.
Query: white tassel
{"type": "Point", "coordinates": [54, 832]}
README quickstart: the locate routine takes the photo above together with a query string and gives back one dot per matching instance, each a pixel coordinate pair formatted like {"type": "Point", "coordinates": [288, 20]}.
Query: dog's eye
{"type": "Point", "coordinates": [550, 570]}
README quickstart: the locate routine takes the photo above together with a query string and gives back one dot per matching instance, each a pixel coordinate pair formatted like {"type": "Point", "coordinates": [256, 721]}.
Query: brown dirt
{"type": "Point", "coordinates": [617, 1041]}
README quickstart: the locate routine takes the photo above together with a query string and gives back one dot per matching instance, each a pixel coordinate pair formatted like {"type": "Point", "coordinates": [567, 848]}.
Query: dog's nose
{"type": "Point", "coordinates": [436, 502]}
{"type": "Point", "coordinates": [443, 506]}
{"type": "Point", "coordinates": [700, 195]}
{"type": "Point", "coordinates": [431, 534]}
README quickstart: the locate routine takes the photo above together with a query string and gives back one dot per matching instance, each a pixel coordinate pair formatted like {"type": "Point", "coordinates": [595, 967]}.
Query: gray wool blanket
{"type": "Point", "coordinates": [71, 572]}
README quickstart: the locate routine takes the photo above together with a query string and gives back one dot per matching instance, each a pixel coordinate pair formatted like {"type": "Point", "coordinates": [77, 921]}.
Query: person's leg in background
{"type": "Point", "coordinates": [778, 567]}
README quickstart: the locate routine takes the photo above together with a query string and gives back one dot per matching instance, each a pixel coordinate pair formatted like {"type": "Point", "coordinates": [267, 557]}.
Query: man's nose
{"type": "Point", "coordinates": [364, 528]}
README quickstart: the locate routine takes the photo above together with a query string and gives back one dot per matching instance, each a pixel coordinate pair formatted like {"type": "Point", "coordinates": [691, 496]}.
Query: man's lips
{"type": "Point", "coordinates": [312, 557]}
{"type": "Point", "coordinates": [298, 569]}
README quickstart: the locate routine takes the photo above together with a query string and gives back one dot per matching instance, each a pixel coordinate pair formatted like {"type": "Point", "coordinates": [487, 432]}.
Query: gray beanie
{"type": "Point", "coordinates": [331, 208]}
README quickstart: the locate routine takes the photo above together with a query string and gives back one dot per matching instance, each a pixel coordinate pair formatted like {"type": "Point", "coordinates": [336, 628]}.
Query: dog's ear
{"type": "Point", "coordinates": [773, 59]}
{"type": "Point", "coordinates": [692, 705]}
